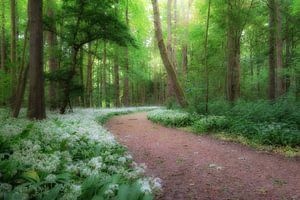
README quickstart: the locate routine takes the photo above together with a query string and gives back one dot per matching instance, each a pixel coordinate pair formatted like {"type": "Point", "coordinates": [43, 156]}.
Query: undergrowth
{"type": "Point", "coordinates": [68, 157]}
{"type": "Point", "coordinates": [275, 125]}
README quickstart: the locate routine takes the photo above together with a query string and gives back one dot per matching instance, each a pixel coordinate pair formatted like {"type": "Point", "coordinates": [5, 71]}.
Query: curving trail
{"type": "Point", "coordinates": [197, 167]}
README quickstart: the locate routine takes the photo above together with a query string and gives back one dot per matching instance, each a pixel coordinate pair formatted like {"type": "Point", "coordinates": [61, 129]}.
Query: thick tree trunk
{"type": "Point", "coordinates": [233, 56]}
{"type": "Point", "coordinates": [206, 58]}
{"type": "Point", "coordinates": [272, 51]}
{"type": "Point", "coordinates": [165, 57]}
{"type": "Point", "coordinates": [126, 69]}
{"type": "Point", "coordinates": [117, 79]}
{"type": "Point", "coordinates": [52, 62]}
{"type": "Point", "coordinates": [36, 107]}
{"type": "Point", "coordinates": [2, 63]}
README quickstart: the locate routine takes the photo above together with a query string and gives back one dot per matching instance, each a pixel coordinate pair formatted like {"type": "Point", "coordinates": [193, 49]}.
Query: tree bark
{"type": "Point", "coordinates": [185, 41]}
{"type": "Point", "coordinates": [165, 57]}
{"type": "Point", "coordinates": [272, 50]}
{"type": "Point", "coordinates": [52, 61]}
{"type": "Point", "coordinates": [22, 80]}
{"type": "Point", "coordinates": [206, 58]}
{"type": "Point", "coordinates": [89, 78]}
{"type": "Point", "coordinates": [36, 107]}
{"type": "Point", "coordinates": [116, 79]}
{"type": "Point", "coordinates": [126, 70]}
{"type": "Point", "coordinates": [279, 49]}
{"type": "Point", "coordinates": [13, 45]}
{"type": "Point", "coordinates": [2, 63]}
{"type": "Point", "coordinates": [104, 73]}
{"type": "Point", "coordinates": [233, 57]}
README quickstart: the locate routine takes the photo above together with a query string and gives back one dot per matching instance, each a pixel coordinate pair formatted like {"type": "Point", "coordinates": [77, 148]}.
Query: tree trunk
{"type": "Point", "coordinates": [117, 79]}
{"type": "Point", "coordinates": [2, 63]}
{"type": "Point", "coordinates": [126, 72]}
{"type": "Point", "coordinates": [169, 44]}
{"type": "Point", "coordinates": [174, 46]}
{"type": "Point", "coordinates": [22, 79]}
{"type": "Point", "coordinates": [272, 51]}
{"type": "Point", "coordinates": [279, 49]}
{"type": "Point", "coordinates": [36, 107]}
{"type": "Point", "coordinates": [13, 46]}
{"type": "Point", "coordinates": [233, 57]}
{"type": "Point", "coordinates": [185, 41]}
{"type": "Point", "coordinates": [53, 62]}
{"type": "Point", "coordinates": [165, 57]}
{"type": "Point", "coordinates": [104, 73]}
{"type": "Point", "coordinates": [89, 77]}
{"type": "Point", "coordinates": [206, 58]}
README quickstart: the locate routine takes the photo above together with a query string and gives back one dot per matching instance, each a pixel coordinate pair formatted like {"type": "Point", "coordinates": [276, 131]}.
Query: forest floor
{"type": "Point", "coordinates": [200, 167]}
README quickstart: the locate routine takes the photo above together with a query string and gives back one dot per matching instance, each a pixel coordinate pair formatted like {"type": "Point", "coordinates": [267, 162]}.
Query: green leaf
{"type": "Point", "coordinates": [53, 193]}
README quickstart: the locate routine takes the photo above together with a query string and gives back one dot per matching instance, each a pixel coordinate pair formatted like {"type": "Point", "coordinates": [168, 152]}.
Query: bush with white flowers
{"type": "Point", "coordinates": [68, 157]}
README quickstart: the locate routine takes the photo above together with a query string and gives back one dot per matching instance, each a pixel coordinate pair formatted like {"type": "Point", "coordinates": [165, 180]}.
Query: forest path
{"type": "Point", "coordinates": [199, 167]}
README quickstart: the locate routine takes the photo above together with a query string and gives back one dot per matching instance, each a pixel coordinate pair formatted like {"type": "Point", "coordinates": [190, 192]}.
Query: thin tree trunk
{"type": "Point", "coordinates": [165, 57]}
{"type": "Point", "coordinates": [52, 62]}
{"type": "Point", "coordinates": [116, 79]}
{"type": "Point", "coordinates": [272, 51]}
{"type": "Point", "coordinates": [279, 49]}
{"type": "Point", "coordinates": [185, 41]}
{"type": "Point", "coordinates": [169, 44]}
{"type": "Point", "coordinates": [89, 78]}
{"type": "Point", "coordinates": [22, 80]}
{"type": "Point", "coordinates": [13, 46]}
{"type": "Point", "coordinates": [2, 63]}
{"type": "Point", "coordinates": [36, 107]}
{"type": "Point", "coordinates": [104, 74]}
{"type": "Point", "coordinates": [174, 35]}
{"type": "Point", "coordinates": [206, 58]}
{"type": "Point", "coordinates": [126, 72]}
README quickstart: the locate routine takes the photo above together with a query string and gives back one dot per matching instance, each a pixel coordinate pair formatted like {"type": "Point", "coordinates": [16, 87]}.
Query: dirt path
{"type": "Point", "coordinates": [195, 167]}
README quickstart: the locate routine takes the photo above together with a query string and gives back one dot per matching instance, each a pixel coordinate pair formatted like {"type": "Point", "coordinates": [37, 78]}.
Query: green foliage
{"type": "Point", "coordinates": [211, 123]}
{"type": "Point", "coordinates": [275, 124]}
{"type": "Point", "coordinates": [173, 118]}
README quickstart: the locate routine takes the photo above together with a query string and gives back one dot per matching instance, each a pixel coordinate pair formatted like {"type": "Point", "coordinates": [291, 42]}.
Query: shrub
{"type": "Point", "coordinates": [174, 118]}
{"type": "Point", "coordinates": [211, 123]}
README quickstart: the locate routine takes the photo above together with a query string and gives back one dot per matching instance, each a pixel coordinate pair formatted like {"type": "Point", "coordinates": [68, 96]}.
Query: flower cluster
{"type": "Point", "coordinates": [60, 153]}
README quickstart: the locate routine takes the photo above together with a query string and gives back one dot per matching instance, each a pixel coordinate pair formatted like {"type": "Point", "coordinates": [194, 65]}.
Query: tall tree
{"type": "Point", "coordinates": [233, 55]}
{"type": "Point", "coordinates": [206, 59]}
{"type": "Point", "coordinates": [36, 107]}
{"type": "Point", "coordinates": [166, 58]}
{"type": "Point", "coordinates": [13, 45]}
{"type": "Point", "coordinates": [22, 79]}
{"type": "Point", "coordinates": [116, 78]}
{"type": "Point", "coordinates": [104, 74]}
{"type": "Point", "coordinates": [89, 77]}
{"type": "Point", "coordinates": [169, 43]}
{"type": "Point", "coordinates": [52, 61]}
{"type": "Point", "coordinates": [185, 40]}
{"type": "Point", "coordinates": [238, 12]}
{"type": "Point", "coordinates": [279, 49]}
{"type": "Point", "coordinates": [126, 69]}
{"type": "Point", "coordinates": [2, 63]}
{"type": "Point", "coordinates": [272, 50]}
